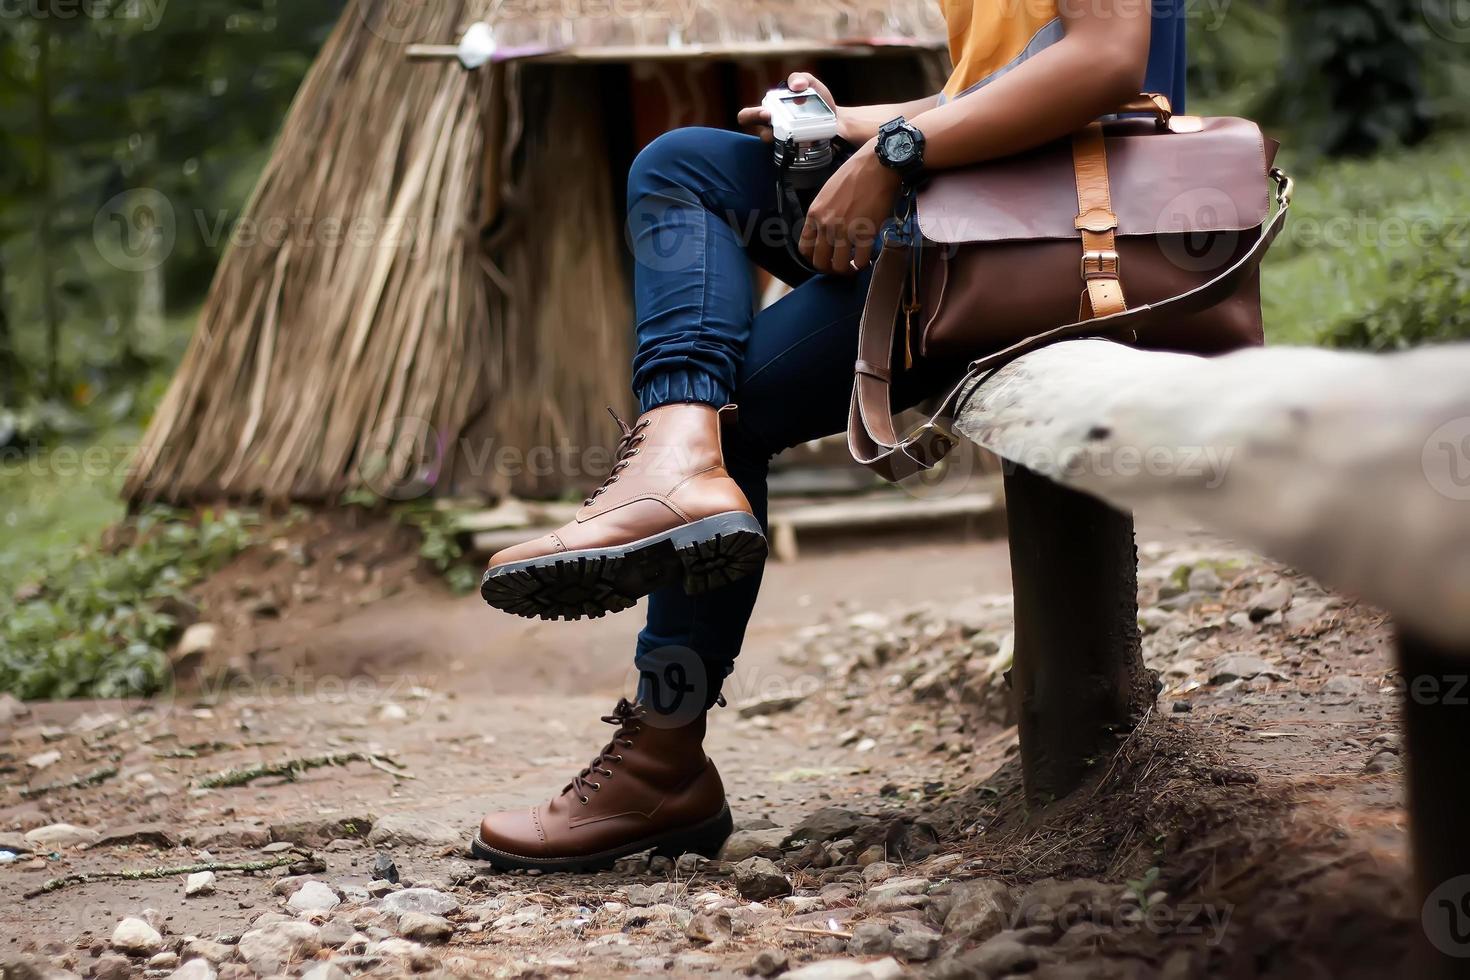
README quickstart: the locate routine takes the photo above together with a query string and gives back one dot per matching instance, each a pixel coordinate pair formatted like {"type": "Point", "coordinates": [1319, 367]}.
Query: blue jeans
{"type": "Point", "coordinates": [701, 206]}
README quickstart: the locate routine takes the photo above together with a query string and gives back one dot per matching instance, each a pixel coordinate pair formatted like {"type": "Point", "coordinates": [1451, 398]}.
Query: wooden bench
{"type": "Point", "coordinates": [1353, 468]}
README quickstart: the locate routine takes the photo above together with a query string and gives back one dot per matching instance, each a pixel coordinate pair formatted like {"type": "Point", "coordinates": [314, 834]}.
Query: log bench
{"type": "Point", "coordinates": [1352, 468]}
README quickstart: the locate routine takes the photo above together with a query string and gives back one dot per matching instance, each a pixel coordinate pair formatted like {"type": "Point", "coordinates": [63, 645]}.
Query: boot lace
{"type": "Point", "coordinates": [628, 716]}
{"type": "Point", "coordinates": [628, 445]}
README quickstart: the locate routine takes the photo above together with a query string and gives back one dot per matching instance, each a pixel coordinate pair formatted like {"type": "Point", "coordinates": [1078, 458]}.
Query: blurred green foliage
{"type": "Point", "coordinates": [99, 621]}
{"type": "Point", "coordinates": [104, 99]}
{"type": "Point", "coordinates": [1376, 251]}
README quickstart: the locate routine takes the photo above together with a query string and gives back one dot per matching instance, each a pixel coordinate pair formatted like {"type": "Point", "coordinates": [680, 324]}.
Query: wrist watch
{"type": "Point", "coordinates": [901, 148]}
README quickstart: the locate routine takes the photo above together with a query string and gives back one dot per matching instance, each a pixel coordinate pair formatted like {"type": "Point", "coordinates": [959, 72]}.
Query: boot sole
{"type": "Point", "coordinates": [705, 838]}
{"type": "Point", "coordinates": [703, 555]}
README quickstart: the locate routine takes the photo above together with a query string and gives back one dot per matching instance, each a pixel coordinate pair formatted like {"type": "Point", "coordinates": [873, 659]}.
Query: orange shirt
{"type": "Point", "coordinates": [989, 37]}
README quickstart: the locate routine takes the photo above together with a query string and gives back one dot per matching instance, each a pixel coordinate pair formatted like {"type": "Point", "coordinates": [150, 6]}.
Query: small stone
{"type": "Point", "coordinates": [884, 969]}
{"type": "Point", "coordinates": [112, 966]}
{"type": "Point", "coordinates": [199, 883]}
{"type": "Point", "coordinates": [195, 646]}
{"type": "Point", "coordinates": [1269, 601]}
{"type": "Point", "coordinates": [166, 960]}
{"type": "Point", "coordinates": [690, 863]}
{"type": "Point", "coordinates": [204, 949]}
{"type": "Point", "coordinates": [828, 823]}
{"type": "Point", "coordinates": [1001, 956]}
{"type": "Point", "coordinates": [812, 855]}
{"type": "Point", "coordinates": [319, 831]}
{"type": "Point", "coordinates": [410, 829]}
{"type": "Point", "coordinates": [752, 843]}
{"type": "Point", "coordinates": [708, 927]}
{"type": "Point", "coordinates": [1242, 667]}
{"type": "Point", "coordinates": [878, 895]}
{"type": "Point", "coordinates": [43, 760]}
{"type": "Point", "coordinates": [278, 847]}
{"type": "Point", "coordinates": [878, 871]}
{"type": "Point", "coordinates": [59, 836]}
{"type": "Point", "coordinates": [12, 709]}
{"type": "Point", "coordinates": [149, 834]}
{"type": "Point", "coordinates": [1306, 614]}
{"type": "Point", "coordinates": [915, 943]}
{"type": "Point", "coordinates": [392, 712]}
{"type": "Point", "coordinates": [136, 938]}
{"type": "Point", "coordinates": [384, 869]}
{"type": "Point", "coordinates": [872, 855]}
{"type": "Point", "coordinates": [313, 896]}
{"type": "Point", "coordinates": [425, 900]}
{"type": "Point", "coordinates": [757, 879]}
{"type": "Point", "coordinates": [870, 938]}
{"type": "Point", "coordinates": [228, 837]}
{"type": "Point", "coordinates": [195, 969]}
{"type": "Point", "coordinates": [770, 706]}
{"type": "Point", "coordinates": [1203, 578]}
{"type": "Point", "coordinates": [980, 909]}
{"type": "Point", "coordinates": [425, 928]}
{"type": "Point", "coordinates": [270, 949]}
{"type": "Point", "coordinates": [325, 971]}
{"type": "Point", "coordinates": [1182, 707]}
{"type": "Point", "coordinates": [415, 955]}
{"type": "Point", "coordinates": [769, 963]}
{"type": "Point", "coordinates": [1342, 685]}
{"type": "Point", "coordinates": [1383, 761]}
{"type": "Point", "coordinates": [660, 865]}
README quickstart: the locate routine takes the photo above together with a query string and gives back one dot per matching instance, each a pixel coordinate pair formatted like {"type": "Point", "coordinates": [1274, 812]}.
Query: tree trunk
{"type": "Point", "coordinates": [1078, 678]}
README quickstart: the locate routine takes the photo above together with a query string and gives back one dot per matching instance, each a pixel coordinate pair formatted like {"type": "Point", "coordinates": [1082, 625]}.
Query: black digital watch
{"type": "Point", "coordinates": [901, 148]}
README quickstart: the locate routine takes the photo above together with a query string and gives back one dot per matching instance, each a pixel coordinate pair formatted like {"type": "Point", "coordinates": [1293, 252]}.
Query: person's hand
{"type": "Point", "coordinates": [843, 222]}
{"type": "Point", "coordinates": [754, 117]}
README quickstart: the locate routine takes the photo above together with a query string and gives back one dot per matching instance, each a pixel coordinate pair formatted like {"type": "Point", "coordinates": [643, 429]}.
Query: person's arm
{"type": "Point", "coordinates": [1097, 66]}
{"type": "Point", "coordinates": [856, 124]}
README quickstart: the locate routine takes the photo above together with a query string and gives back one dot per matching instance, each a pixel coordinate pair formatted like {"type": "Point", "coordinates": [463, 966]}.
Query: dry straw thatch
{"type": "Point", "coordinates": [423, 285]}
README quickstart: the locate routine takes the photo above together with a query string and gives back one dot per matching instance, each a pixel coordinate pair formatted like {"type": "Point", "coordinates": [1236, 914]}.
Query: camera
{"type": "Point", "coordinates": [804, 126]}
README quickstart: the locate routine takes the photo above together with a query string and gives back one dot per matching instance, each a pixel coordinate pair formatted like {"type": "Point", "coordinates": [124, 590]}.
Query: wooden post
{"type": "Point", "coordinates": [1078, 678]}
{"type": "Point", "coordinates": [1437, 730]}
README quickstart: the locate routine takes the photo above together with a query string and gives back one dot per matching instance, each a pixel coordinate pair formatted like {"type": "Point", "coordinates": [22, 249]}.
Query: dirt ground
{"type": "Point", "coordinates": [1253, 827]}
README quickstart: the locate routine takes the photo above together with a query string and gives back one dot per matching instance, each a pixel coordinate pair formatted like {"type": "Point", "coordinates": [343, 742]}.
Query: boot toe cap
{"type": "Point", "coordinates": [515, 832]}
{"type": "Point", "coordinates": [547, 544]}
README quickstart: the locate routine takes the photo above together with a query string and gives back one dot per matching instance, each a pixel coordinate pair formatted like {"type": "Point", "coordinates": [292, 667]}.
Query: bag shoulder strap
{"type": "Point", "coordinates": [872, 437]}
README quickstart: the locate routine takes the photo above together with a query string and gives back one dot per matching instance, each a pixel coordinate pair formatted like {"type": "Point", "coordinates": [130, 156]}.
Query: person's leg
{"type": "Point", "coordinates": [794, 386]}
{"type": "Point", "coordinates": [668, 513]}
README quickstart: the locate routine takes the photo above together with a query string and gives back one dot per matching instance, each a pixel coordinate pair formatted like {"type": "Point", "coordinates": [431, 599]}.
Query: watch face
{"type": "Point", "coordinates": [899, 147]}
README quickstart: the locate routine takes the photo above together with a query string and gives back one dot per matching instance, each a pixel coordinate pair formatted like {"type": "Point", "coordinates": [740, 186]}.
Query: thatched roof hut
{"type": "Point", "coordinates": [430, 280]}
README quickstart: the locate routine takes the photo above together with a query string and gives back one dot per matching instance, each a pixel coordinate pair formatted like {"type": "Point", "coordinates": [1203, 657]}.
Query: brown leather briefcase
{"type": "Point", "coordinates": [1147, 230]}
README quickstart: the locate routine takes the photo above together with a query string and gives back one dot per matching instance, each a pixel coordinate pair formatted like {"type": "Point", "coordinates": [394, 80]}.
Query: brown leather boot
{"type": "Point", "coordinates": [650, 787]}
{"type": "Point", "coordinates": [668, 512]}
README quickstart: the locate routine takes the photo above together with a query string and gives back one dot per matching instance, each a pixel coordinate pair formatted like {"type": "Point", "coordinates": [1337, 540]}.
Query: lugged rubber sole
{"type": "Point", "coordinates": [702, 555]}
{"type": "Point", "coordinates": [706, 838]}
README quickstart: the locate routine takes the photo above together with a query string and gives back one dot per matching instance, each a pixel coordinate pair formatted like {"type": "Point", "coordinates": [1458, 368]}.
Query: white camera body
{"type": "Point", "coordinates": [800, 117]}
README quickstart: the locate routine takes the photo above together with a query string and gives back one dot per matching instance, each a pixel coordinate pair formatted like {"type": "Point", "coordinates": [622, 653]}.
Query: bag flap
{"type": "Point", "coordinates": [1213, 179]}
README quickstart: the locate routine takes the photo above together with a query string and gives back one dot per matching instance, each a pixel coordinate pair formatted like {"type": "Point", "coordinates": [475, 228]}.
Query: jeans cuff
{"type": "Point", "coordinates": [683, 385]}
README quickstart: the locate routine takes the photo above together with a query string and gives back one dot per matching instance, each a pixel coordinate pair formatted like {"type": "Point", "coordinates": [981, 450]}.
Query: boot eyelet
{"type": "Point", "coordinates": [617, 758]}
{"type": "Point", "coordinates": [585, 801]}
{"type": "Point", "coordinates": [596, 787]}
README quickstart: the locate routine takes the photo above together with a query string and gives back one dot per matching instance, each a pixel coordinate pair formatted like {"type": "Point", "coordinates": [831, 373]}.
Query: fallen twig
{"type": "Point", "coordinates": [80, 782]}
{"type": "Point", "coordinates": [56, 884]}
{"type": "Point", "coordinates": [835, 934]}
{"type": "Point", "coordinates": [291, 768]}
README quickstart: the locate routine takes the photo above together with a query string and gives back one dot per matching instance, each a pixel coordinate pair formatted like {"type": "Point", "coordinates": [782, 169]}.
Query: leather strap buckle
{"type": "Point", "coordinates": [1100, 265]}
